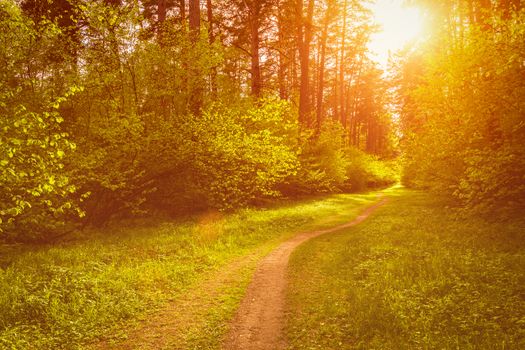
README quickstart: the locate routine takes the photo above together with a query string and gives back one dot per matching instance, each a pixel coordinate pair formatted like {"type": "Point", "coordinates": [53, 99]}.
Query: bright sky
{"type": "Point", "coordinates": [399, 26]}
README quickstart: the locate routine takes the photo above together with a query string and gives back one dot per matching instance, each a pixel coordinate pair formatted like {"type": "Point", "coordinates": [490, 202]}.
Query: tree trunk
{"type": "Point", "coordinates": [254, 13]}
{"type": "Point", "coordinates": [211, 36]}
{"type": "Point", "coordinates": [320, 88]}
{"type": "Point", "coordinates": [182, 9]}
{"type": "Point", "coordinates": [161, 18]}
{"type": "Point", "coordinates": [281, 72]}
{"type": "Point", "coordinates": [195, 98]}
{"type": "Point", "coordinates": [305, 38]}
{"type": "Point", "coordinates": [161, 11]}
{"type": "Point", "coordinates": [342, 69]}
{"type": "Point", "coordinates": [195, 18]}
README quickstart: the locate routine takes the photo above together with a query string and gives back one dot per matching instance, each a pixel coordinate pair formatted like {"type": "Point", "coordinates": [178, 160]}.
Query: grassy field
{"type": "Point", "coordinates": [69, 295]}
{"type": "Point", "coordinates": [413, 276]}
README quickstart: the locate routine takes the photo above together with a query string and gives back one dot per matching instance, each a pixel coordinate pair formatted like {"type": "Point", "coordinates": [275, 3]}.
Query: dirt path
{"type": "Point", "coordinates": [174, 326]}
{"type": "Point", "coordinates": [258, 324]}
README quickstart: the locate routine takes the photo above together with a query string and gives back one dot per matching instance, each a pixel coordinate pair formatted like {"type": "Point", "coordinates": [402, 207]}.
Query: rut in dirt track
{"type": "Point", "coordinates": [259, 321]}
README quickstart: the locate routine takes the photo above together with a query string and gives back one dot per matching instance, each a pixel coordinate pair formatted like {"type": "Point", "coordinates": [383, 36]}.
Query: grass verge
{"type": "Point", "coordinates": [69, 295]}
{"type": "Point", "coordinates": [412, 276]}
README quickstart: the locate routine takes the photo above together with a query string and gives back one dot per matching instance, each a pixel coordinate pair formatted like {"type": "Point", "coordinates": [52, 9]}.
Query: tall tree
{"type": "Point", "coordinates": [322, 62]}
{"type": "Point", "coordinates": [254, 13]}
{"type": "Point", "coordinates": [342, 66]}
{"type": "Point", "coordinates": [211, 38]}
{"type": "Point", "coordinates": [194, 18]}
{"type": "Point", "coordinates": [182, 10]}
{"type": "Point", "coordinates": [196, 85]}
{"type": "Point", "coordinates": [304, 36]}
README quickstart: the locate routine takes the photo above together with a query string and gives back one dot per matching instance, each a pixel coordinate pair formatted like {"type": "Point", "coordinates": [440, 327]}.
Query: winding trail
{"type": "Point", "coordinates": [259, 321]}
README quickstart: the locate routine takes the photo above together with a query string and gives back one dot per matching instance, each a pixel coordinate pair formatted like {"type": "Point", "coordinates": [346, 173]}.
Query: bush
{"type": "Point", "coordinates": [322, 163]}
{"type": "Point", "coordinates": [327, 165]}
{"type": "Point", "coordinates": [36, 193]}
{"type": "Point", "coordinates": [493, 179]}
{"type": "Point", "coordinates": [367, 171]}
{"type": "Point", "coordinates": [241, 156]}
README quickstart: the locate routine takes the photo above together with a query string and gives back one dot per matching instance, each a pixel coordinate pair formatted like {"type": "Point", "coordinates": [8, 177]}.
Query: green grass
{"type": "Point", "coordinates": [413, 276]}
{"type": "Point", "coordinates": [69, 295]}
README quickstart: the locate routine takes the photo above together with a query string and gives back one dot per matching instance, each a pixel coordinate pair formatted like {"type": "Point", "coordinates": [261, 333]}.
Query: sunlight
{"type": "Point", "coordinates": [399, 25]}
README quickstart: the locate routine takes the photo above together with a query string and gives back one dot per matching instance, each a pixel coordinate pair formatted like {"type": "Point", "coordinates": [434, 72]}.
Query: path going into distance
{"type": "Point", "coordinates": [259, 321]}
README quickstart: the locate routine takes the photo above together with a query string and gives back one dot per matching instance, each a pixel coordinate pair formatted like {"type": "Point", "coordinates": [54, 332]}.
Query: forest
{"type": "Point", "coordinates": [113, 108]}
{"type": "Point", "coordinates": [119, 108]}
{"type": "Point", "coordinates": [119, 115]}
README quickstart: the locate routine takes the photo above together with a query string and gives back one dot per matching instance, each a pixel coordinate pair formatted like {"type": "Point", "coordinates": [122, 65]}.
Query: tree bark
{"type": "Point", "coordinates": [161, 11]}
{"type": "Point", "coordinates": [161, 18]}
{"type": "Point", "coordinates": [342, 69]}
{"type": "Point", "coordinates": [196, 90]}
{"type": "Point", "coordinates": [305, 38]}
{"type": "Point", "coordinates": [211, 36]}
{"type": "Point", "coordinates": [182, 9]}
{"type": "Point", "coordinates": [195, 18]}
{"type": "Point", "coordinates": [281, 72]}
{"type": "Point", "coordinates": [320, 88]}
{"type": "Point", "coordinates": [254, 21]}
{"type": "Point", "coordinates": [209, 12]}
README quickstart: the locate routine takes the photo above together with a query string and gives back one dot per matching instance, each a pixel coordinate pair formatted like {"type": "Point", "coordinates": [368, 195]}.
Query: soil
{"type": "Point", "coordinates": [259, 321]}
{"type": "Point", "coordinates": [170, 327]}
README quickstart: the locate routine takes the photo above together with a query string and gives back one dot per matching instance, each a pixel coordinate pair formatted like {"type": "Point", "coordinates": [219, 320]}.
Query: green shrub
{"type": "Point", "coordinates": [36, 193]}
{"type": "Point", "coordinates": [493, 179]}
{"type": "Point", "coordinates": [328, 165]}
{"type": "Point", "coordinates": [241, 156]}
{"type": "Point", "coordinates": [322, 163]}
{"type": "Point", "coordinates": [367, 171]}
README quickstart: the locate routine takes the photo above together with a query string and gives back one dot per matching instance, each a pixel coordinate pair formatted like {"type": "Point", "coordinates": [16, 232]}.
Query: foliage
{"type": "Point", "coordinates": [469, 140]}
{"type": "Point", "coordinates": [36, 192]}
{"type": "Point", "coordinates": [409, 277]}
{"type": "Point", "coordinates": [328, 165]}
{"type": "Point", "coordinates": [164, 120]}
{"type": "Point", "coordinates": [367, 171]}
{"type": "Point", "coordinates": [242, 155]}
{"type": "Point", "coordinates": [323, 163]}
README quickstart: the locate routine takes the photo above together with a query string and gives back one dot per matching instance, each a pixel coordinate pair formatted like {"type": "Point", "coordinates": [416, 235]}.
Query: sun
{"type": "Point", "coordinates": [399, 25]}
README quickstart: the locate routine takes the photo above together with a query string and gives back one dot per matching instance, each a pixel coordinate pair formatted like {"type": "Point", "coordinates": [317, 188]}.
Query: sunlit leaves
{"type": "Point", "coordinates": [32, 144]}
{"type": "Point", "coordinates": [239, 158]}
{"type": "Point", "coordinates": [470, 107]}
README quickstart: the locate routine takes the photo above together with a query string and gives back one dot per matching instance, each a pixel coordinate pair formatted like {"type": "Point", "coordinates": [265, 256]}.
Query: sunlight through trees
{"type": "Point", "coordinates": [131, 107]}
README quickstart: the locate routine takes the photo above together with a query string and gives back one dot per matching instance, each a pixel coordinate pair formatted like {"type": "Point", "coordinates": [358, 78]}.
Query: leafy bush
{"type": "Point", "coordinates": [36, 193]}
{"type": "Point", "coordinates": [493, 179]}
{"type": "Point", "coordinates": [367, 171]}
{"type": "Point", "coordinates": [322, 163]}
{"type": "Point", "coordinates": [241, 156]}
{"type": "Point", "coordinates": [328, 165]}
